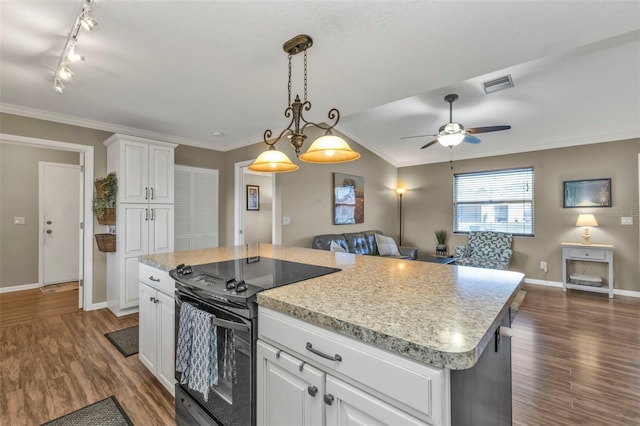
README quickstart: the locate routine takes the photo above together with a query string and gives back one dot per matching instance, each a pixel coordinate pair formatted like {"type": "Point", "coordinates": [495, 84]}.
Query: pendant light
{"type": "Point", "coordinates": [327, 149]}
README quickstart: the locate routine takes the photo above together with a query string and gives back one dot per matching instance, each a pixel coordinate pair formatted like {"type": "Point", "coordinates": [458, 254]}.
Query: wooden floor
{"type": "Point", "coordinates": [60, 361]}
{"type": "Point", "coordinates": [576, 361]}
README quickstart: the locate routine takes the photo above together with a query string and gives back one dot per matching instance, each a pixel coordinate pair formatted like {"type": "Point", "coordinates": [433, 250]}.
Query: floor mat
{"type": "Point", "coordinates": [107, 412]}
{"type": "Point", "coordinates": [125, 340]}
{"type": "Point", "coordinates": [56, 288]}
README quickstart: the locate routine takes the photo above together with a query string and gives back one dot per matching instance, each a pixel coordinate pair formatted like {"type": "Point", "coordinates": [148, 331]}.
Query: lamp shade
{"type": "Point", "coordinates": [273, 161]}
{"type": "Point", "coordinates": [450, 139]}
{"type": "Point", "coordinates": [586, 220]}
{"type": "Point", "coordinates": [329, 149]}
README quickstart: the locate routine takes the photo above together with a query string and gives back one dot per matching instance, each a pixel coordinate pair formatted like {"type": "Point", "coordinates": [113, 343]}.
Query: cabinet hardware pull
{"type": "Point", "coordinates": [146, 193]}
{"type": "Point", "coordinates": [146, 214]}
{"type": "Point", "coordinates": [152, 193]}
{"type": "Point", "coordinates": [152, 299]}
{"type": "Point", "coordinates": [152, 214]}
{"type": "Point", "coordinates": [312, 390]}
{"type": "Point", "coordinates": [301, 366]}
{"type": "Point", "coordinates": [278, 354]}
{"type": "Point", "coordinates": [328, 399]}
{"type": "Point", "coordinates": [336, 357]}
{"type": "Point", "coordinates": [154, 279]}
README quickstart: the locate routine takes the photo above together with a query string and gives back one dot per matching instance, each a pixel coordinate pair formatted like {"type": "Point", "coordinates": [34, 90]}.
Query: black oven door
{"type": "Point", "coordinates": [231, 401]}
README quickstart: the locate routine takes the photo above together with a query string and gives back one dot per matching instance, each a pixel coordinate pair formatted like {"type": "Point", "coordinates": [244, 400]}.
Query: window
{"type": "Point", "coordinates": [500, 200]}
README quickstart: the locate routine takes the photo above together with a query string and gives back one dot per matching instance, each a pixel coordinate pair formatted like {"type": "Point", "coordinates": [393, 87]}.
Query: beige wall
{"type": "Point", "coordinates": [257, 223]}
{"type": "Point", "coordinates": [19, 196]}
{"type": "Point", "coordinates": [29, 127]}
{"type": "Point", "coordinates": [428, 206]}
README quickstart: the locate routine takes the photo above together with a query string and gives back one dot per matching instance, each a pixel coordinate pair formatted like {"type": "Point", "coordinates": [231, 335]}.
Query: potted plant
{"type": "Point", "coordinates": [441, 237]}
{"type": "Point", "coordinates": [104, 199]}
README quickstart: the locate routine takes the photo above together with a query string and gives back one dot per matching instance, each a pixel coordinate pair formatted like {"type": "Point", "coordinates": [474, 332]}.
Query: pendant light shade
{"type": "Point", "coordinates": [329, 149]}
{"type": "Point", "coordinates": [271, 161]}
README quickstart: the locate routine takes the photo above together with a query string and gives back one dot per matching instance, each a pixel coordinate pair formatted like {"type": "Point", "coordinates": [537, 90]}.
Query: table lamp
{"type": "Point", "coordinates": [586, 220]}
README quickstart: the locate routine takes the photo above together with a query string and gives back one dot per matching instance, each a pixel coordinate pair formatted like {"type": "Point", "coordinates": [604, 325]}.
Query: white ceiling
{"type": "Point", "coordinates": [181, 70]}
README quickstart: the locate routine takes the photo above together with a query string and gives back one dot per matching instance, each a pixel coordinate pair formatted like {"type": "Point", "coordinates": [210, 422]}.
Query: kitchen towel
{"type": "Point", "coordinates": [197, 357]}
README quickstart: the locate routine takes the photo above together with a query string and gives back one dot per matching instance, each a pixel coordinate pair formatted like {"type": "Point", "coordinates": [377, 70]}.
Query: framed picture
{"type": "Point", "coordinates": [586, 193]}
{"type": "Point", "coordinates": [253, 197]}
{"type": "Point", "coordinates": [348, 199]}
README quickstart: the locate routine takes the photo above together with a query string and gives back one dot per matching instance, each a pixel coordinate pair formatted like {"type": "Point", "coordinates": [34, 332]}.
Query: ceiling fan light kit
{"type": "Point", "coordinates": [327, 149]}
{"type": "Point", "coordinates": [452, 134]}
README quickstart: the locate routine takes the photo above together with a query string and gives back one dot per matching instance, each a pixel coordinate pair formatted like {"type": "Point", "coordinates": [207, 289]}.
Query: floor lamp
{"type": "Point", "coordinates": [400, 192]}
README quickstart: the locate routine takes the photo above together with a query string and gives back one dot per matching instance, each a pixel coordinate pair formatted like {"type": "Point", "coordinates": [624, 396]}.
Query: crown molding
{"type": "Point", "coordinates": [101, 125]}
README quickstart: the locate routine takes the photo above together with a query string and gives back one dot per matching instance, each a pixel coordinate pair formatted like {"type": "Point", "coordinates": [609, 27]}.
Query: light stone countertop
{"type": "Point", "coordinates": [441, 315]}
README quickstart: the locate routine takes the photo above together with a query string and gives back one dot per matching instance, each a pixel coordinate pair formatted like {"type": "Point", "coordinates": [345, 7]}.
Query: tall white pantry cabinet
{"type": "Point", "coordinates": [144, 213]}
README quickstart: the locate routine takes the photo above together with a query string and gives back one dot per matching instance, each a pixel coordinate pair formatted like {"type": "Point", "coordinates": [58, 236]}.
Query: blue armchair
{"type": "Point", "coordinates": [486, 249]}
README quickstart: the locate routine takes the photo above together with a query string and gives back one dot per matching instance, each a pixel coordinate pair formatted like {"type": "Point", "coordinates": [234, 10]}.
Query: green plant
{"type": "Point", "coordinates": [105, 194]}
{"type": "Point", "coordinates": [441, 236]}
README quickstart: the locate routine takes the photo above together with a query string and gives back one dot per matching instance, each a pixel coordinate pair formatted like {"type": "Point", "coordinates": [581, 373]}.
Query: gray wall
{"type": "Point", "coordinates": [19, 196]}
{"type": "Point", "coordinates": [428, 206]}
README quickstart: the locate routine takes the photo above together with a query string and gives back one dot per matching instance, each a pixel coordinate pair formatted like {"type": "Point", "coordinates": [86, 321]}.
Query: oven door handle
{"type": "Point", "coordinates": [221, 322]}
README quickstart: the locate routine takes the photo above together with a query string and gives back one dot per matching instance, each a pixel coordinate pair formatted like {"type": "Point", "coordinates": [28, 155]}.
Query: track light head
{"type": "Point", "coordinates": [58, 85]}
{"type": "Point", "coordinates": [87, 22]}
{"type": "Point", "coordinates": [64, 73]}
{"type": "Point", "coordinates": [72, 56]}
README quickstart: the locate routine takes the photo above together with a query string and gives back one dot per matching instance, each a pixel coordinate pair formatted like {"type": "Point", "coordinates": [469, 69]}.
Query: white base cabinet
{"type": "Point", "coordinates": [157, 324]}
{"type": "Point", "coordinates": [308, 375]}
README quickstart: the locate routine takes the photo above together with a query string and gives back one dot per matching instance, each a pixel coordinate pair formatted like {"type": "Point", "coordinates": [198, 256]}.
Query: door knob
{"type": "Point", "coordinates": [49, 231]}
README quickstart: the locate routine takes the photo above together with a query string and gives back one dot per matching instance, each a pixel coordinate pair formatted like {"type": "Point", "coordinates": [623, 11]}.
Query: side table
{"type": "Point", "coordinates": [602, 253]}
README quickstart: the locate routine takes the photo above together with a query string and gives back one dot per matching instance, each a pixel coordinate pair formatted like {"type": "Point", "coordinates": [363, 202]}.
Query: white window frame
{"type": "Point", "coordinates": [465, 192]}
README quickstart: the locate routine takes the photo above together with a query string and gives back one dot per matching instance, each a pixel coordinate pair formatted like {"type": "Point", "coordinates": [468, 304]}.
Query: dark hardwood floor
{"type": "Point", "coordinates": [576, 361]}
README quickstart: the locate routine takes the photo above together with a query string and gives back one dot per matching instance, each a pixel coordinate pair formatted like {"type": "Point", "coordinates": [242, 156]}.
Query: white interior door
{"type": "Point", "coordinates": [59, 222]}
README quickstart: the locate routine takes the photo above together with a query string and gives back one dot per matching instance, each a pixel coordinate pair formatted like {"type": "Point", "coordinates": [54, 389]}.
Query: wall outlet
{"type": "Point", "coordinates": [626, 220]}
{"type": "Point", "coordinates": [543, 265]}
{"type": "Point", "coordinates": [286, 220]}
{"type": "Point", "coordinates": [18, 220]}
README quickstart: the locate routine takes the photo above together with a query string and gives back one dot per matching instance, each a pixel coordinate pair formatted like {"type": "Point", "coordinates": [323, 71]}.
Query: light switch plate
{"type": "Point", "coordinates": [18, 220]}
{"type": "Point", "coordinates": [626, 220]}
{"type": "Point", "coordinates": [286, 220]}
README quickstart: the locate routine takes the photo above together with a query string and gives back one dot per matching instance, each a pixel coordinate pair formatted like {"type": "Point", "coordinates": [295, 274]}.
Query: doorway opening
{"type": "Point", "coordinates": [85, 251]}
{"type": "Point", "coordinates": [256, 222]}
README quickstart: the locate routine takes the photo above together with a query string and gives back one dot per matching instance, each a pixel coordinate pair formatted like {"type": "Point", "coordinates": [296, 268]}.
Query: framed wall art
{"type": "Point", "coordinates": [586, 193]}
{"type": "Point", "coordinates": [253, 197]}
{"type": "Point", "coordinates": [348, 199]}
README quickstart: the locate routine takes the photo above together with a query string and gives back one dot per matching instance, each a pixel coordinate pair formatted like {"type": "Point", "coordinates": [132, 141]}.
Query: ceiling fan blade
{"type": "Point", "coordinates": [429, 144]}
{"type": "Point", "coordinates": [487, 129]}
{"type": "Point", "coordinates": [471, 139]}
{"type": "Point", "coordinates": [417, 136]}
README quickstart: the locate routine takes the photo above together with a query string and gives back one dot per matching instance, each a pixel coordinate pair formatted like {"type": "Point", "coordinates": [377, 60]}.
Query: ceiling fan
{"type": "Point", "coordinates": [452, 134]}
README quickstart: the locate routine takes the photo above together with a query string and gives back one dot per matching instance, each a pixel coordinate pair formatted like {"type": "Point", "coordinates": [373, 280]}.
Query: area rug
{"type": "Point", "coordinates": [107, 412]}
{"type": "Point", "coordinates": [126, 340]}
{"type": "Point", "coordinates": [57, 288]}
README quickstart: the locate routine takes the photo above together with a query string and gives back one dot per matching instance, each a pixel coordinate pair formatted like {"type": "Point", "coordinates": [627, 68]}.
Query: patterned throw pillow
{"type": "Point", "coordinates": [335, 247]}
{"type": "Point", "coordinates": [386, 246]}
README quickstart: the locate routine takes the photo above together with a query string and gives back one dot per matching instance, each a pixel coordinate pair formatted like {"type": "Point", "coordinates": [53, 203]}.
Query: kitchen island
{"type": "Point", "coordinates": [427, 321]}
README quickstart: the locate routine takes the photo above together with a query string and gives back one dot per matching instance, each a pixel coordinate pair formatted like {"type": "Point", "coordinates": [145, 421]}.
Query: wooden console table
{"type": "Point", "coordinates": [602, 253]}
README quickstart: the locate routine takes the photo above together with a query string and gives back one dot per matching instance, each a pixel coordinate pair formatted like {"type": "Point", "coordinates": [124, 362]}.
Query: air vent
{"type": "Point", "coordinates": [497, 84]}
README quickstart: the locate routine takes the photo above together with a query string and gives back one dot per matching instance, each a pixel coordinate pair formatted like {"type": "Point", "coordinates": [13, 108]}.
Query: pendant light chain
{"type": "Point", "coordinates": [289, 85]}
{"type": "Point", "coordinates": [305, 75]}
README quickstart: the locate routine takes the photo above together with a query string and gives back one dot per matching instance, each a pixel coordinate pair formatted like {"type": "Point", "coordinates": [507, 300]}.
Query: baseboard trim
{"type": "Point", "coordinates": [97, 306]}
{"type": "Point", "coordinates": [616, 291]}
{"type": "Point", "coordinates": [18, 288]}
{"type": "Point", "coordinates": [543, 282]}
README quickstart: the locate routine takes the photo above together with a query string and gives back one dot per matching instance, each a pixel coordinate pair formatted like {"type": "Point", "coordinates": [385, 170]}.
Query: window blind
{"type": "Point", "coordinates": [499, 200]}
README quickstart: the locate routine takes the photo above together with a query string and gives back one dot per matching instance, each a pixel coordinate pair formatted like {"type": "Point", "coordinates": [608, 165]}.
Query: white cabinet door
{"type": "Point", "coordinates": [147, 327]}
{"type": "Point", "coordinates": [161, 174]}
{"type": "Point", "coordinates": [165, 342]}
{"type": "Point", "coordinates": [352, 407]}
{"type": "Point", "coordinates": [287, 394]}
{"type": "Point", "coordinates": [130, 291]}
{"type": "Point", "coordinates": [134, 180]}
{"type": "Point", "coordinates": [136, 229]}
{"type": "Point", "coordinates": [161, 229]}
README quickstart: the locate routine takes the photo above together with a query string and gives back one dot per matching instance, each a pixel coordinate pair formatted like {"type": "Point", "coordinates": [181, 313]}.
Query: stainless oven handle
{"type": "Point", "coordinates": [222, 323]}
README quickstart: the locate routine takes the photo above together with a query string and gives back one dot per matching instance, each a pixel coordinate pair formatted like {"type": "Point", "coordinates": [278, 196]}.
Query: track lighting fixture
{"type": "Point", "coordinates": [69, 55]}
{"type": "Point", "coordinates": [326, 149]}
